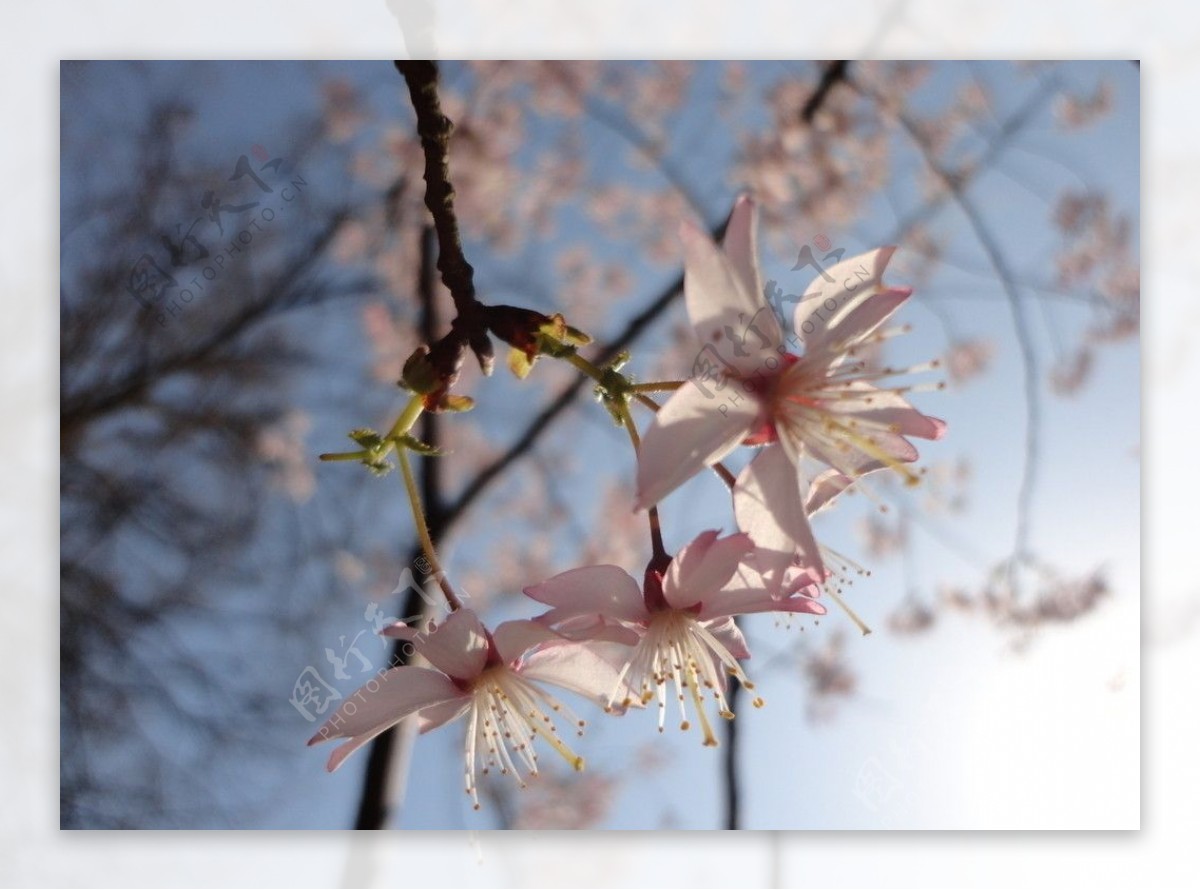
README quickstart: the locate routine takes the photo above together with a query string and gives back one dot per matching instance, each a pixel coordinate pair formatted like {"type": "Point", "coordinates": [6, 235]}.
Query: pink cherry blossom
{"type": "Point", "coordinates": [486, 676]}
{"type": "Point", "coordinates": [824, 404]}
{"type": "Point", "coordinates": [680, 624]}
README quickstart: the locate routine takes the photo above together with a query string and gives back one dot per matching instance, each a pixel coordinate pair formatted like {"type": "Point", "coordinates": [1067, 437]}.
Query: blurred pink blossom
{"type": "Point", "coordinates": [281, 447]}
{"type": "Point", "coordinates": [968, 358]}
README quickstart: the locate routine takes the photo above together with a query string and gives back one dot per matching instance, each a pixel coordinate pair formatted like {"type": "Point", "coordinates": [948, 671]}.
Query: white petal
{"type": "Point", "coordinates": [769, 506]}
{"type": "Point", "coordinates": [401, 631]}
{"type": "Point", "coordinates": [590, 669]}
{"type": "Point", "coordinates": [825, 301]}
{"type": "Point", "coordinates": [339, 754]}
{"type": "Point", "coordinates": [725, 314]}
{"type": "Point", "coordinates": [591, 590]}
{"type": "Point", "coordinates": [730, 636]}
{"type": "Point", "coordinates": [589, 628]}
{"type": "Point", "coordinates": [439, 715]}
{"type": "Point", "coordinates": [387, 699]}
{"type": "Point", "coordinates": [514, 638]}
{"type": "Point", "coordinates": [741, 246]}
{"type": "Point", "coordinates": [748, 601]}
{"type": "Point", "coordinates": [703, 567]}
{"type": "Point", "coordinates": [694, 429]}
{"type": "Point", "coordinates": [824, 489]}
{"type": "Point", "coordinates": [870, 403]}
{"type": "Point", "coordinates": [457, 647]}
{"type": "Point", "coordinates": [852, 459]}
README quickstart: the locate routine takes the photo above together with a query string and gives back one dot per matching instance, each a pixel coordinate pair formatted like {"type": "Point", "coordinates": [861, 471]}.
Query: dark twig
{"type": "Point", "coordinates": [834, 74]}
{"type": "Point", "coordinates": [729, 761]}
{"type": "Point", "coordinates": [469, 326]}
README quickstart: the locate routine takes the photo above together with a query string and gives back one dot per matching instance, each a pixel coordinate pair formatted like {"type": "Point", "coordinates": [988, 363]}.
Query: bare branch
{"type": "Point", "coordinates": [435, 128]}
{"type": "Point", "coordinates": [836, 73]}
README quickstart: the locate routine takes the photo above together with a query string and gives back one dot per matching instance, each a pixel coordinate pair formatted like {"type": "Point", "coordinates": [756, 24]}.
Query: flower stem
{"type": "Point", "coordinates": [656, 541]}
{"type": "Point", "coordinates": [647, 401]}
{"type": "Point", "coordinates": [636, 390]}
{"type": "Point", "coordinates": [343, 455]}
{"type": "Point", "coordinates": [584, 365]}
{"type": "Point", "coordinates": [726, 476]}
{"type": "Point", "coordinates": [657, 386]}
{"type": "Point", "coordinates": [406, 420]}
{"type": "Point", "coordinates": [414, 500]}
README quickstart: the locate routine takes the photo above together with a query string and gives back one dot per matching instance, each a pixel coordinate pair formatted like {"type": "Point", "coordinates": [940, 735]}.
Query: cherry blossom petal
{"type": "Point", "coordinates": [591, 590]}
{"type": "Point", "coordinates": [514, 638]}
{"type": "Point", "coordinates": [750, 600]}
{"type": "Point", "coordinates": [401, 631]}
{"type": "Point", "coordinates": [862, 318]}
{"type": "Point", "coordinates": [824, 489]}
{"type": "Point", "coordinates": [694, 429]}
{"type": "Point", "coordinates": [339, 754]}
{"type": "Point", "coordinates": [730, 636]}
{"type": "Point", "coordinates": [457, 646]}
{"type": "Point", "coordinates": [828, 300]}
{"type": "Point", "coordinates": [593, 627]}
{"type": "Point", "coordinates": [876, 451]}
{"type": "Point", "coordinates": [725, 315]}
{"type": "Point", "coordinates": [881, 406]}
{"type": "Point", "coordinates": [769, 506]}
{"type": "Point", "coordinates": [847, 328]}
{"type": "Point", "coordinates": [439, 715]}
{"type": "Point", "coordinates": [383, 702]}
{"type": "Point", "coordinates": [592, 670]}
{"type": "Point", "coordinates": [703, 567]}
{"type": "Point", "coordinates": [741, 247]}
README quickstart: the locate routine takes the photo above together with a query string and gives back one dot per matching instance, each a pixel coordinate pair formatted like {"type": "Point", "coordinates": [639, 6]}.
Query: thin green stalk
{"type": "Point", "coordinates": [656, 541]}
{"type": "Point", "coordinates": [414, 500]}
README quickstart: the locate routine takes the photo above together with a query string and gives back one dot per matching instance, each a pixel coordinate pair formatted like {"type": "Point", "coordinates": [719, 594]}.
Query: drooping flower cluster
{"type": "Point", "coordinates": [822, 413]}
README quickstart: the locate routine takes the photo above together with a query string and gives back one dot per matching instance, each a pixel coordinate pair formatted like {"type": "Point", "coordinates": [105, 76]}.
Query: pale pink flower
{"type": "Point", "coordinates": [829, 676]}
{"type": "Point", "coordinates": [282, 448]}
{"type": "Point", "coordinates": [1075, 111]}
{"type": "Point", "coordinates": [1068, 376]}
{"type": "Point", "coordinates": [883, 538]}
{"type": "Point", "coordinates": [748, 388]}
{"type": "Point", "coordinates": [343, 109]}
{"type": "Point", "coordinates": [487, 676]}
{"type": "Point", "coordinates": [680, 624]}
{"type": "Point", "coordinates": [969, 358]}
{"type": "Point", "coordinates": [912, 617]}
{"type": "Point", "coordinates": [567, 802]}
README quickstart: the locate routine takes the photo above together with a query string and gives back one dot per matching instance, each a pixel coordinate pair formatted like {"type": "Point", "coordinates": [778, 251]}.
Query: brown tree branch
{"type": "Point", "coordinates": [469, 326]}
{"type": "Point", "coordinates": [834, 74]}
